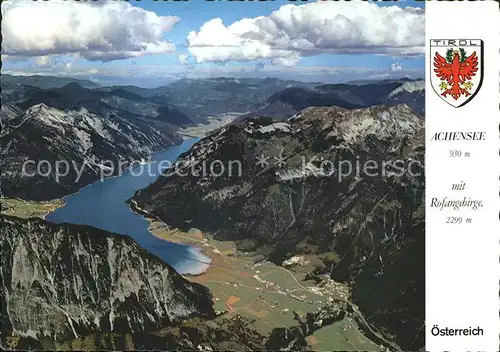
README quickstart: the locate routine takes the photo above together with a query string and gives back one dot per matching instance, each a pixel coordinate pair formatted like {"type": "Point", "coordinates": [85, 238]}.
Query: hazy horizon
{"type": "Point", "coordinates": [151, 85]}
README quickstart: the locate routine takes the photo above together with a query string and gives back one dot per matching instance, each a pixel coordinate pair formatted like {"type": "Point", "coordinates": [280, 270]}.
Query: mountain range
{"type": "Point", "coordinates": [288, 195]}
{"type": "Point", "coordinates": [73, 95]}
{"type": "Point", "coordinates": [34, 140]}
{"type": "Point", "coordinates": [290, 101]}
{"type": "Point", "coordinates": [98, 119]}
{"type": "Point", "coordinates": [207, 97]}
{"type": "Point", "coordinates": [371, 226]}
{"type": "Point", "coordinates": [44, 82]}
{"type": "Point", "coordinates": [73, 287]}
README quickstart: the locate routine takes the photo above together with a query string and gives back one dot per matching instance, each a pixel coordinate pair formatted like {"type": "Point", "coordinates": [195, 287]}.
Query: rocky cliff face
{"type": "Point", "coordinates": [89, 143]}
{"type": "Point", "coordinates": [348, 182]}
{"type": "Point", "coordinates": [61, 282]}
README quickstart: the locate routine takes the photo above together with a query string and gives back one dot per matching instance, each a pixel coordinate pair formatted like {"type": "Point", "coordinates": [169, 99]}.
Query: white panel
{"type": "Point", "coordinates": [462, 260]}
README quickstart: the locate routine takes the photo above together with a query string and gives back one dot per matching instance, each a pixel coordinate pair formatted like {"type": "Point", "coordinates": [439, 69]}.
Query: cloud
{"type": "Point", "coordinates": [183, 59]}
{"type": "Point", "coordinates": [294, 31]}
{"type": "Point", "coordinates": [396, 67]}
{"type": "Point", "coordinates": [43, 61]}
{"type": "Point", "coordinates": [379, 75]}
{"type": "Point", "coordinates": [108, 31]}
{"type": "Point", "coordinates": [286, 61]}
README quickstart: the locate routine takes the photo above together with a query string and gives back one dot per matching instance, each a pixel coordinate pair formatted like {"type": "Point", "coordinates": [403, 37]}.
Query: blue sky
{"type": "Point", "coordinates": [296, 43]}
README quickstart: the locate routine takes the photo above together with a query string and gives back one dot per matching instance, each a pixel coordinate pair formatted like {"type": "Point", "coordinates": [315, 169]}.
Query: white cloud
{"type": "Point", "coordinates": [379, 75]}
{"type": "Point", "coordinates": [286, 61]}
{"type": "Point", "coordinates": [183, 59]}
{"type": "Point", "coordinates": [43, 61]}
{"type": "Point", "coordinates": [108, 31]}
{"type": "Point", "coordinates": [396, 67]}
{"type": "Point", "coordinates": [294, 31]}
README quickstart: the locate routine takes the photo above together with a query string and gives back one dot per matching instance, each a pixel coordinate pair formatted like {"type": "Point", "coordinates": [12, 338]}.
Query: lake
{"type": "Point", "coordinates": [102, 205]}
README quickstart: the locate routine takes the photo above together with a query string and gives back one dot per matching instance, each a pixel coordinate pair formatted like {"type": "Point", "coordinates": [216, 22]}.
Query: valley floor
{"type": "Point", "coordinates": [267, 294]}
{"type": "Point", "coordinates": [26, 209]}
{"type": "Point", "coordinates": [263, 292]}
{"type": "Point", "coordinates": [214, 122]}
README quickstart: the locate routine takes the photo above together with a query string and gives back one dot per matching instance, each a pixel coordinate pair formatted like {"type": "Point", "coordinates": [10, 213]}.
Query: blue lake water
{"type": "Point", "coordinates": [102, 205]}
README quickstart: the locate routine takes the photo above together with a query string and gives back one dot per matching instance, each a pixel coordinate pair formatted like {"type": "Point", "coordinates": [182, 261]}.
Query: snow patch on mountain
{"type": "Point", "coordinates": [280, 126]}
{"type": "Point", "coordinates": [410, 87]}
{"type": "Point", "coordinates": [84, 138]}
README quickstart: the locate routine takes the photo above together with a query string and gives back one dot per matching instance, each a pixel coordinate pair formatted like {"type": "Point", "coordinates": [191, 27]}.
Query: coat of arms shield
{"type": "Point", "coordinates": [456, 69]}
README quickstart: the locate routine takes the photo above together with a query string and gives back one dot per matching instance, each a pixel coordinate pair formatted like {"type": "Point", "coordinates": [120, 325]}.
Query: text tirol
{"type": "Point", "coordinates": [456, 42]}
{"type": "Point", "coordinates": [458, 136]}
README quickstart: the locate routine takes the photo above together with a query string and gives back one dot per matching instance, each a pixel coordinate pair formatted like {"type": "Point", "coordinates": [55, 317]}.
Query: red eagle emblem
{"type": "Point", "coordinates": [455, 71]}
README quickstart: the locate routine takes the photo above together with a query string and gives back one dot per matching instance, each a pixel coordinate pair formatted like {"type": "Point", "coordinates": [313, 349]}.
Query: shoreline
{"type": "Point", "coordinates": [151, 219]}
{"type": "Point", "coordinates": [63, 204]}
{"type": "Point", "coordinates": [183, 261]}
{"type": "Point", "coordinates": [120, 173]}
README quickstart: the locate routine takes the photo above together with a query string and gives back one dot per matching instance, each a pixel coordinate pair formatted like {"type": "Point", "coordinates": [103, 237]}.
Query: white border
{"type": "Point", "coordinates": [462, 261]}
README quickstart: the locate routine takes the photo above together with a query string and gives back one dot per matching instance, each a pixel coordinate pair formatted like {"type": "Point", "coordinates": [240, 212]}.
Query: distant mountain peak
{"type": "Point", "coordinates": [73, 87]}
